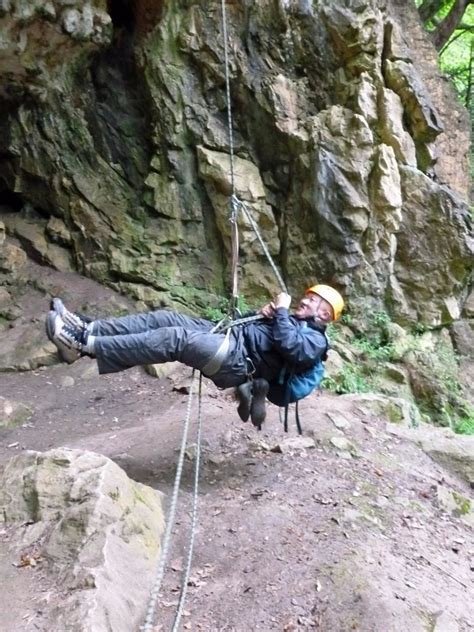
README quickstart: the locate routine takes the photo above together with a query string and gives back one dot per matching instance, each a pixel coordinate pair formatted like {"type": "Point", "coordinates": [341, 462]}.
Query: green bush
{"type": "Point", "coordinates": [374, 342]}
{"type": "Point", "coordinates": [465, 423]}
{"type": "Point", "coordinates": [350, 380]}
{"type": "Point", "coordinates": [219, 311]}
{"type": "Point", "coordinates": [465, 427]}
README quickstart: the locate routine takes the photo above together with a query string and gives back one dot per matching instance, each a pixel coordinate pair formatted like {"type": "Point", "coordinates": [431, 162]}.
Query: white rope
{"type": "Point", "coordinates": [234, 208]}
{"type": "Point", "coordinates": [187, 571]}
{"type": "Point", "coordinates": [236, 204]}
{"type": "Point", "coordinates": [264, 246]}
{"type": "Point", "coordinates": [229, 109]}
{"type": "Point", "coordinates": [150, 614]}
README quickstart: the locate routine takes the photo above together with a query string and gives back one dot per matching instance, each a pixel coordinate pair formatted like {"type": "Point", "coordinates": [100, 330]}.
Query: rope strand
{"type": "Point", "coordinates": [187, 571]}
{"type": "Point", "coordinates": [150, 615]}
{"type": "Point", "coordinates": [264, 246]}
{"type": "Point", "coordinates": [227, 87]}
{"type": "Point", "coordinates": [235, 206]}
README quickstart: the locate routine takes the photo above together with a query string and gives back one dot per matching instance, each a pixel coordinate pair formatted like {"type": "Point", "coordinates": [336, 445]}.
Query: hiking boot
{"type": "Point", "coordinates": [68, 340]}
{"type": "Point", "coordinates": [71, 319]}
{"type": "Point", "coordinates": [244, 397]}
{"type": "Point", "coordinates": [258, 409]}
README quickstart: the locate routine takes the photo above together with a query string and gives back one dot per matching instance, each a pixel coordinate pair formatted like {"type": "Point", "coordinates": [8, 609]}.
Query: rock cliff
{"type": "Point", "coordinates": [349, 150]}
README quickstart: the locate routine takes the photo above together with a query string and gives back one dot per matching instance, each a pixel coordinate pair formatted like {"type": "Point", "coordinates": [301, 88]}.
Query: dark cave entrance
{"type": "Point", "coordinates": [122, 13]}
{"type": "Point", "coordinates": [11, 200]}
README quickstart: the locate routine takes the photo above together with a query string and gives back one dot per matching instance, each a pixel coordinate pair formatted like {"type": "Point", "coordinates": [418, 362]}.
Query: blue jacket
{"type": "Point", "coordinates": [283, 340]}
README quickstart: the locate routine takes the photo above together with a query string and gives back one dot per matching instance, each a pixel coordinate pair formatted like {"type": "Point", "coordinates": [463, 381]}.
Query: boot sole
{"type": "Point", "coordinates": [50, 326]}
{"type": "Point", "coordinates": [258, 409]}
{"type": "Point", "coordinates": [245, 400]}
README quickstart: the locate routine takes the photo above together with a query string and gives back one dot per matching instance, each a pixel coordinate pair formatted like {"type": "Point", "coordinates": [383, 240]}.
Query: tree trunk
{"type": "Point", "coordinates": [429, 8]}
{"type": "Point", "coordinates": [446, 28]}
{"type": "Point", "coordinates": [470, 88]}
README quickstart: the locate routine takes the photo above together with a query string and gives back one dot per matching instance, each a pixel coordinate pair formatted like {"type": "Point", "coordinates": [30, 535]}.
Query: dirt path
{"type": "Point", "coordinates": [308, 538]}
{"type": "Point", "coordinates": [332, 538]}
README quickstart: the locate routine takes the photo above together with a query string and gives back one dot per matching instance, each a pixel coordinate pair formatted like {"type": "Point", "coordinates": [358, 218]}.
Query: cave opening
{"type": "Point", "coordinates": [11, 200]}
{"type": "Point", "coordinates": [122, 14]}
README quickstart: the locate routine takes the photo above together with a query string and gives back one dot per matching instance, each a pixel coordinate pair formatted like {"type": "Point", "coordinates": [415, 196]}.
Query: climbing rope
{"type": "Point", "coordinates": [228, 103]}
{"type": "Point", "coordinates": [225, 324]}
{"type": "Point", "coordinates": [150, 613]}
{"type": "Point", "coordinates": [187, 570]}
{"type": "Point", "coordinates": [264, 246]}
{"type": "Point", "coordinates": [235, 206]}
{"type": "Point", "coordinates": [235, 203]}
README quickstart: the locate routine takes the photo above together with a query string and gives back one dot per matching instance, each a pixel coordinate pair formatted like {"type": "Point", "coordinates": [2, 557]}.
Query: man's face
{"type": "Point", "coordinates": [313, 306]}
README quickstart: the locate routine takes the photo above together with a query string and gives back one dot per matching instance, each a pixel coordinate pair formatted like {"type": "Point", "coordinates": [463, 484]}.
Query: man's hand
{"type": "Point", "coordinates": [282, 300]}
{"type": "Point", "coordinates": [267, 310]}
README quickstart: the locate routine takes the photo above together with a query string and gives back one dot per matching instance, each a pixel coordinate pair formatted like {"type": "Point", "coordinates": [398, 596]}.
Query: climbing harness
{"type": "Point", "coordinates": [210, 369]}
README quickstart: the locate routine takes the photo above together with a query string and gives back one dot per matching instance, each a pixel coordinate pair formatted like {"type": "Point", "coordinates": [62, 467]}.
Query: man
{"type": "Point", "coordinates": [259, 350]}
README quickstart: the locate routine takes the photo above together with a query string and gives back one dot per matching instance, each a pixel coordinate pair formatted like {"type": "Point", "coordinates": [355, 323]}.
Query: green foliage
{"type": "Point", "coordinates": [465, 423]}
{"type": "Point", "coordinates": [380, 319]}
{"type": "Point", "coordinates": [465, 426]}
{"type": "Point", "coordinates": [374, 342]}
{"type": "Point", "coordinates": [374, 351]}
{"type": "Point", "coordinates": [350, 380]}
{"type": "Point", "coordinates": [419, 329]}
{"type": "Point", "coordinates": [463, 504]}
{"type": "Point", "coordinates": [454, 60]}
{"type": "Point", "coordinates": [219, 311]}
{"type": "Point", "coordinates": [455, 55]}
{"type": "Point", "coordinates": [346, 319]}
{"type": "Point", "coordinates": [444, 364]}
{"type": "Point", "coordinates": [333, 332]}
{"type": "Point", "coordinates": [435, 383]}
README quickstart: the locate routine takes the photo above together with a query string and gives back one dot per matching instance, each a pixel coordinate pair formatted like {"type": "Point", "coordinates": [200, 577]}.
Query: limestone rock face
{"type": "Point", "coordinates": [115, 146]}
{"type": "Point", "coordinates": [97, 531]}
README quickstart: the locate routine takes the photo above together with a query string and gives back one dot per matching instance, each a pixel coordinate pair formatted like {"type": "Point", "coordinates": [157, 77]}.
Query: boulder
{"type": "Point", "coordinates": [456, 504]}
{"type": "Point", "coordinates": [392, 130]}
{"type": "Point", "coordinates": [97, 532]}
{"type": "Point", "coordinates": [25, 347]}
{"type": "Point", "coordinates": [393, 409]}
{"type": "Point", "coordinates": [455, 452]}
{"type": "Point", "coordinates": [13, 413]}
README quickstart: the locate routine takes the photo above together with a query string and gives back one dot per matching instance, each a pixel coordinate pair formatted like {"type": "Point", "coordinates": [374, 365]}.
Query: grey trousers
{"type": "Point", "coordinates": [166, 336]}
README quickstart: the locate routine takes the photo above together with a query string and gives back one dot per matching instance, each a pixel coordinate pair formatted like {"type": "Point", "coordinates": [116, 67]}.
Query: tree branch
{"type": "Point", "coordinates": [467, 28]}
{"type": "Point", "coordinates": [429, 8]}
{"type": "Point", "coordinates": [446, 28]}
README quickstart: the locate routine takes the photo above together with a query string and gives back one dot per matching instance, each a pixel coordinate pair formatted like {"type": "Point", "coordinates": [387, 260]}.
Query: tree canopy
{"type": "Point", "coordinates": [451, 27]}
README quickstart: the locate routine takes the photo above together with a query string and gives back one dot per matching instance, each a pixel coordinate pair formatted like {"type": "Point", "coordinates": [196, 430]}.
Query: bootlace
{"type": "Point", "coordinates": [75, 337]}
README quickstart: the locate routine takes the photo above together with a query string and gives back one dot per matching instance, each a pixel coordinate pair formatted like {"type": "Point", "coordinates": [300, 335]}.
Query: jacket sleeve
{"type": "Point", "coordinates": [298, 345]}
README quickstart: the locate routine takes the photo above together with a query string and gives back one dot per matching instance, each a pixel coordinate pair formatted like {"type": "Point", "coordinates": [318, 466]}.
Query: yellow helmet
{"type": "Point", "coordinates": [330, 295]}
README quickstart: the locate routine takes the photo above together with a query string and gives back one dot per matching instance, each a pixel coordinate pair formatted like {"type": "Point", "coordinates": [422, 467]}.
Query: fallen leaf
{"type": "Point", "coordinates": [28, 560]}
